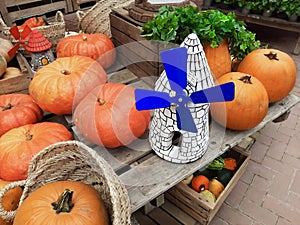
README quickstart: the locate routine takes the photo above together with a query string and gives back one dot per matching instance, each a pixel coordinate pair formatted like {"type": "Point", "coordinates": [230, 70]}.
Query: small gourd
{"type": "Point", "coordinates": [200, 183]}
{"type": "Point", "coordinates": [215, 187]}
{"type": "Point", "coordinates": [208, 195]}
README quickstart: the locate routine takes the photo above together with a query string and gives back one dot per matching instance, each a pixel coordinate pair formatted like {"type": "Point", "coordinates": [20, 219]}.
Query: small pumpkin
{"type": "Point", "coordinates": [5, 46]}
{"type": "Point", "coordinates": [17, 110]}
{"type": "Point", "coordinates": [3, 65]}
{"type": "Point", "coordinates": [275, 69]}
{"type": "Point", "coordinates": [60, 85]}
{"type": "Point", "coordinates": [36, 21]}
{"type": "Point", "coordinates": [19, 145]}
{"type": "Point", "coordinates": [10, 200]}
{"type": "Point", "coordinates": [200, 183]}
{"type": "Point", "coordinates": [215, 187]}
{"type": "Point", "coordinates": [208, 195]}
{"type": "Point", "coordinates": [230, 163]}
{"type": "Point", "coordinates": [218, 58]}
{"type": "Point", "coordinates": [63, 203]}
{"type": "Point", "coordinates": [12, 72]}
{"type": "Point", "coordinates": [97, 46]}
{"type": "Point", "coordinates": [249, 106]}
{"type": "Point", "coordinates": [107, 116]}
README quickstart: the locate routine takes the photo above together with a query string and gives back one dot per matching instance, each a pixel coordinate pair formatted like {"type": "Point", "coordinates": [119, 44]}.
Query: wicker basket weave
{"type": "Point", "coordinates": [54, 32]}
{"type": "Point", "coordinates": [72, 160]}
{"type": "Point", "coordinates": [96, 19]}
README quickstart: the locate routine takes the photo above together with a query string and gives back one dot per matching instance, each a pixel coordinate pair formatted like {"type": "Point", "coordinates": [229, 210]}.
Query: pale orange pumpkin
{"type": "Point", "coordinates": [5, 46]}
{"type": "Point", "coordinates": [12, 72]}
{"type": "Point", "coordinates": [3, 65]}
{"type": "Point", "coordinates": [63, 203]}
{"type": "Point", "coordinates": [218, 59]}
{"type": "Point", "coordinates": [249, 106]}
{"type": "Point", "coordinates": [10, 200]}
{"type": "Point", "coordinates": [274, 68]}
{"type": "Point", "coordinates": [60, 85]}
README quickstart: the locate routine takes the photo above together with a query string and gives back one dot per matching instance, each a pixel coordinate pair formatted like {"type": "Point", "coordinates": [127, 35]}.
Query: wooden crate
{"type": "Point", "coordinates": [83, 4]}
{"type": "Point", "coordinates": [18, 84]}
{"type": "Point", "coordinates": [199, 208]}
{"type": "Point", "coordinates": [139, 55]}
{"type": "Point", "coordinates": [13, 11]}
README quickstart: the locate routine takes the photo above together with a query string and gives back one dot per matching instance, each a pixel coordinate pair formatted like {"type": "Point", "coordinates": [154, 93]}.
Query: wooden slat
{"type": "Point", "coordinates": [143, 219]}
{"type": "Point", "coordinates": [162, 218]}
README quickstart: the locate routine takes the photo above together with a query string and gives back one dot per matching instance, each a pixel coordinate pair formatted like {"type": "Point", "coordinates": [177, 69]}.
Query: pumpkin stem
{"type": "Point", "coordinates": [246, 79]}
{"type": "Point", "coordinates": [28, 135]}
{"type": "Point", "coordinates": [101, 101]}
{"type": "Point", "coordinates": [65, 72]}
{"type": "Point", "coordinates": [272, 55]}
{"type": "Point", "coordinates": [84, 38]}
{"type": "Point", "coordinates": [64, 202]}
{"type": "Point", "coordinates": [7, 107]}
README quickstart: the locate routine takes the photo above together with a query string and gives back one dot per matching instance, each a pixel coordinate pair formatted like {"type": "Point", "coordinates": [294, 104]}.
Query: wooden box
{"type": "Point", "coordinates": [18, 84]}
{"type": "Point", "coordinates": [189, 201]}
{"type": "Point", "coordinates": [139, 55]}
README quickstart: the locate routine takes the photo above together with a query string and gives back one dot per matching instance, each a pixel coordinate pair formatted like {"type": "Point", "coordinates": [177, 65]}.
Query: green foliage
{"type": "Point", "coordinates": [173, 24]}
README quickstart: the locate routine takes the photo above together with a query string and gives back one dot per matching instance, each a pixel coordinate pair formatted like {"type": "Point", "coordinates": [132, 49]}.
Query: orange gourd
{"type": "Point", "coordinates": [10, 200]}
{"type": "Point", "coordinates": [97, 46]}
{"type": "Point", "coordinates": [19, 145]}
{"type": "Point", "coordinates": [60, 85]}
{"type": "Point", "coordinates": [107, 116]}
{"type": "Point", "coordinates": [218, 59]}
{"type": "Point", "coordinates": [249, 106]}
{"type": "Point", "coordinates": [200, 183]}
{"type": "Point", "coordinates": [63, 203]}
{"type": "Point", "coordinates": [274, 68]}
{"type": "Point", "coordinates": [17, 110]}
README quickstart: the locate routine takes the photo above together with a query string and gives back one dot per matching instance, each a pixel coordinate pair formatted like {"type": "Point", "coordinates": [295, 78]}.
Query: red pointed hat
{"type": "Point", "coordinates": [37, 42]}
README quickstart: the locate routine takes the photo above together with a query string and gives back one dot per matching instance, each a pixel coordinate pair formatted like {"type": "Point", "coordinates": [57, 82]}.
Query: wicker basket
{"type": "Point", "coordinates": [72, 160]}
{"type": "Point", "coordinates": [96, 19]}
{"type": "Point", "coordinates": [54, 32]}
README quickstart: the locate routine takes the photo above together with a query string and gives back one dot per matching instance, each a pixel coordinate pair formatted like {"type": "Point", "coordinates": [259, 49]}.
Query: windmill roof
{"type": "Point", "coordinates": [37, 42]}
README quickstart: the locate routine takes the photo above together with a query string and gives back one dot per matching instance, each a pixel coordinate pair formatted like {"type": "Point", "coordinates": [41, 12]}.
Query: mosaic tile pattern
{"type": "Point", "coordinates": [191, 146]}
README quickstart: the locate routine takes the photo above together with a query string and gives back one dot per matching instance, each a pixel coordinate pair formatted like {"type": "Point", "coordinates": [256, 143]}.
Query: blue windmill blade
{"type": "Point", "coordinates": [185, 121]}
{"type": "Point", "coordinates": [221, 93]}
{"type": "Point", "coordinates": [175, 65]}
{"type": "Point", "coordinates": [149, 99]}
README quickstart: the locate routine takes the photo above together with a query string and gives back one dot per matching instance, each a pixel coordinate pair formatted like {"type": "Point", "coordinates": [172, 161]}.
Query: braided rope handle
{"type": "Point", "coordinates": [3, 24]}
{"type": "Point", "coordinates": [9, 215]}
{"type": "Point", "coordinates": [80, 14]}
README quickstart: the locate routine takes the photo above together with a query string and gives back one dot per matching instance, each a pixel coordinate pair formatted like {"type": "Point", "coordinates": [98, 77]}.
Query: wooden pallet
{"type": "Point", "coordinates": [127, 161]}
{"type": "Point", "coordinates": [13, 11]}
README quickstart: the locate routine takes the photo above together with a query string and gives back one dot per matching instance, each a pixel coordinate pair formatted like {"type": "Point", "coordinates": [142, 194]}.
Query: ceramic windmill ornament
{"type": "Point", "coordinates": [181, 101]}
{"type": "Point", "coordinates": [36, 44]}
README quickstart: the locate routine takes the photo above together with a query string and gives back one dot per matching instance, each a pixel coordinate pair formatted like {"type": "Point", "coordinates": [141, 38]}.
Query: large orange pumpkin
{"type": "Point", "coordinates": [249, 106]}
{"type": "Point", "coordinates": [19, 145]}
{"type": "Point", "coordinates": [107, 116]}
{"type": "Point", "coordinates": [17, 110]}
{"type": "Point", "coordinates": [97, 46]}
{"type": "Point", "coordinates": [274, 68]}
{"type": "Point", "coordinates": [60, 85]}
{"type": "Point", "coordinates": [63, 203]}
{"type": "Point", "coordinates": [218, 59]}
{"type": "Point", "coordinates": [10, 200]}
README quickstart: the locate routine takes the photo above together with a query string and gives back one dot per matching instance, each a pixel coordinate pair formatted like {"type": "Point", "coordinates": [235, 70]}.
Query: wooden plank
{"type": "Point", "coordinates": [10, 3]}
{"type": "Point", "coordinates": [40, 10]}
{"type": "Point", "coordinates": [179, 214]}
{"type": "Point", "coordinates": [162, 218]}
{"type": "Point", "coordinates": [123, 76]}
{"type": "Point", "coordinates": [143, 219]}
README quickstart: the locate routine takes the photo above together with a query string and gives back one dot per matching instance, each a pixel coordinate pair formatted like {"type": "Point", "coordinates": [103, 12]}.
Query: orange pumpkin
{"type": "Point", "coordinates": [200, 183]}
{"type": "Point", "coordinates": [32, 22]}
{"type": "Point", "coordinates": [218, 59]}
{"type": "Point", "coordinates": [249, 106]}
{"type": "Point", "coordinates": [107, 116]}
{"type": "Point", "coordinates": [60, 85]}
{"type": "Point", "coordinates": [17, 110]}
{"type": "Point", "coordinates": [274, 68]}
{"type": "Point", "coordinates": [5, 46]}
{"type": "Point", "coordinates": [97, 46]}
{"type": "Point", "coordinates": [63, 203]}
{"type": "Point", "coordinates": [19, 145]}
{"type": "Point", "coordinates": [10, 200]}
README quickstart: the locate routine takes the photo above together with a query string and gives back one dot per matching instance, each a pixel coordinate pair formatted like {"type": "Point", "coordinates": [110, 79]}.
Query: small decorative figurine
{"type": "Point", "coordinates": [181, 102]}
{"type": "Point", "coordinates": [35, 43]}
